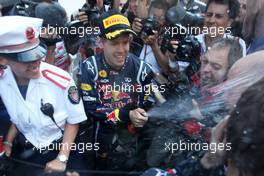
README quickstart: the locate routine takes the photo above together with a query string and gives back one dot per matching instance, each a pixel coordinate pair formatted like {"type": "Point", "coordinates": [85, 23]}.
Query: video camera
{"type": "Point", "coordinates": [177, 18]}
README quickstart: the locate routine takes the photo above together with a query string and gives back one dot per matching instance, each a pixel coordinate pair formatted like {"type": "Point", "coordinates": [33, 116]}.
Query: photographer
{"type": "Point", "coordinates": [219, 16]}
{"type": "Point", "coordinates": [151, 52]}
{"type": "Point", "coordinates": [55, 19]}
{"type": "Point", "coordinates": [130, 10]}
{"type": "Point", "coordinates": [99, 5]}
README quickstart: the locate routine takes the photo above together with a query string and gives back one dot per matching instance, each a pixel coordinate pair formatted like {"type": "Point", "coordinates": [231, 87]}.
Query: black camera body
{"type": "Point", "coordinates": [93, 14]}
{"type": "Point", "coordinates": [169, 36]}
{"type": "Point", "coordinates": [149, 24]}
{"type": "Point", "coordinates": [188, 48]}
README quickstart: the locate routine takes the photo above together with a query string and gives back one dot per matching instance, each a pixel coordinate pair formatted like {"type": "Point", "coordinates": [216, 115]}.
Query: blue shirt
{"type": "Point", "coordinates": [23, 90]}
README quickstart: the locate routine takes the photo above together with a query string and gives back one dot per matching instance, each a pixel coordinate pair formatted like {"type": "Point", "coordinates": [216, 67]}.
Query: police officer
{"type": "Point", "coordinates": [41, 99]}
{"type": "Point", "coordinates": [113, 85]}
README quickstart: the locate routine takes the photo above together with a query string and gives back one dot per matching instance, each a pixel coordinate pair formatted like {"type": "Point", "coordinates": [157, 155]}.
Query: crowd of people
{"type": "Point", "coordinates": [118, 87]}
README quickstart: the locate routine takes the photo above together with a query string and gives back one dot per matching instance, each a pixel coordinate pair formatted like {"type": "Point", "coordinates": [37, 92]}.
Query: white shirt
{"type": "Point", "coordinates": [39, 129]}
{"type": "Point", "coordinates": [201, 39]}
{"type": "Point", "coordinates": [148, 56]}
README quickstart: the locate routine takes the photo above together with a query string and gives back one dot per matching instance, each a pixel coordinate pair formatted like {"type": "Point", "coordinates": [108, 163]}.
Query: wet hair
{"type": "Point", "coordinates": [245, 131]}
{"type": "Point", "coordinates": [233, 6]}
{"type": "Point", "coordinates": [235, 49]}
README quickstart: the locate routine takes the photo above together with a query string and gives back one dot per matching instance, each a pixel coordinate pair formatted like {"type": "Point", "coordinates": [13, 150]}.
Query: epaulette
{"type": "Point", "coordinates": [60, 80]}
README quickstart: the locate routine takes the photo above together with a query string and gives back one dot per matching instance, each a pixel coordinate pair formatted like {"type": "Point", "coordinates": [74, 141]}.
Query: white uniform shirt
{"type": "Point", "coordinates": [148, 56]}
{"type": "Point", "coordinates": [201, 39]}
{"type": "Point", "coordinates": [39, 129]}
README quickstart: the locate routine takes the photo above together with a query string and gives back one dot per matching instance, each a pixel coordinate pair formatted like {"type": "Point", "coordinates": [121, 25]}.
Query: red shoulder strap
{"type": "Point", "coordinates": [56, 78]}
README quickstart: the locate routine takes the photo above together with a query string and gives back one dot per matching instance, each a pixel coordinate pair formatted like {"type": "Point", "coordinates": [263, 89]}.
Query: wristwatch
{"type": "Point", "coordinates": [62, 158]}
{"type": "Point", "coordinates": [8, 143]}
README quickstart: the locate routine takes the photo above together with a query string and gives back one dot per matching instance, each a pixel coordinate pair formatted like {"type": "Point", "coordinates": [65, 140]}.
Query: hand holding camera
{"type": "Point", "coordinates": [137, 25]}
{"type": "Point", "coordinates": [82, 17]}
{"type": "Point", "coordinates": [151, 39]}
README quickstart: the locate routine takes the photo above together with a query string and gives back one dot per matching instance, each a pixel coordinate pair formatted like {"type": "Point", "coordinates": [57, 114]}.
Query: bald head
{"type": "Point", "coordinates": [253, 63]}
{"type": "Point", "coordinates": [243, 74]}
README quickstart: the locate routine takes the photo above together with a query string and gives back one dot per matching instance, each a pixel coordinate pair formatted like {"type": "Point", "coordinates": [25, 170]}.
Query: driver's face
{"type": "Point", "coordinates": [116, 50]}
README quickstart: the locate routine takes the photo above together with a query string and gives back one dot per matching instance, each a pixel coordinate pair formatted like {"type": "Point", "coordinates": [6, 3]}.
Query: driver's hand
{"type": "Point", "coordinates": [138, 117]}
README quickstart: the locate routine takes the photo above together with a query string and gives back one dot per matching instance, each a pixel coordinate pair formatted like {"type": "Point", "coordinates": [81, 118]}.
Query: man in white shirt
{"type": "Point", "coordinates": [151, 52]}
{"type": "Point", "coordinates": [219, 16]}
{"type": "Point", "coordinates": [42, 100]}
